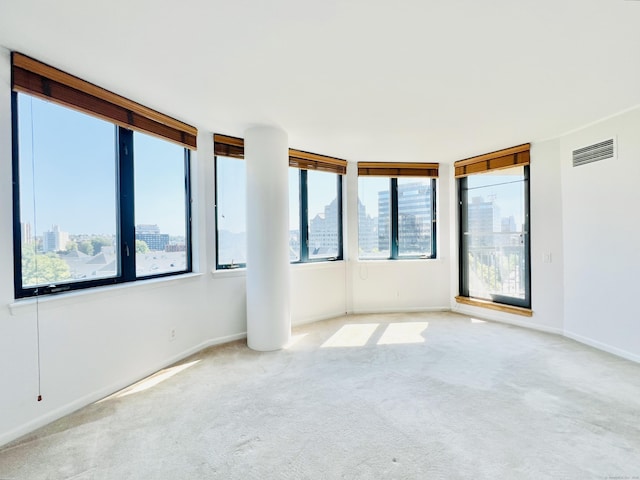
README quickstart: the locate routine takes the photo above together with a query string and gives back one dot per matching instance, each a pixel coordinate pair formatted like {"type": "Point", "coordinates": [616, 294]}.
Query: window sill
{"type": "Point", "coordinates": [241, 272]}
{"type": "Point", "coordinates": [229, 272]}
{"type": "Point", "coordinates": [317, 264]}
{"type": "Point", "coordinates": [378, 261]}
{"type": "Point", "coordinates": [93, 293]}
{"type": "Point", "coordinates": [474, 302]}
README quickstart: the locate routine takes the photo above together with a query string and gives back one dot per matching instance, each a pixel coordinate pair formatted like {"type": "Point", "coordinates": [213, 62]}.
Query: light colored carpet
{"type": "Point", "coordinates": [416, 396]}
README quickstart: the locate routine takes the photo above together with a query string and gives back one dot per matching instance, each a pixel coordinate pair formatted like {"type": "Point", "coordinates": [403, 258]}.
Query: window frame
{"type": "Point", "coordinates": [125, 213]}
{"type": "Point", "coordinates": [304, 220]}
{"type": "Point", "coordinates": [224, 266]}
{"type": "Point", "coordinates": [463, 268]}
{"type": "Point", "coordinates": [394, 234]}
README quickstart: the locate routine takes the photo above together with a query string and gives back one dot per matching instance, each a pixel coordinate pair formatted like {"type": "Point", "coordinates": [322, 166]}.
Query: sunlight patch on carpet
{"type": "Point", "coordinates": [403, 333]}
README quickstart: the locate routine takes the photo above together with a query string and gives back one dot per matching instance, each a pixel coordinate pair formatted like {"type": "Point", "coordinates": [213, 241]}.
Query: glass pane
{"type": "Point", "coordinates": [322, 192]}
{"type": "Point", "coordinates": [495, 234]}
{"type": "Point", "coordinates": [231, 202]}
{"type": "Point", "coordinates": [414, 216]}
{"type": "Point", "coordinates": [67, 163]}
{"type": "Point", "coordinates": [294, 215]}
{"type": "Point", "coordinates": [160, 206]}
{"type": "Point", "coordinates": [374, 217]}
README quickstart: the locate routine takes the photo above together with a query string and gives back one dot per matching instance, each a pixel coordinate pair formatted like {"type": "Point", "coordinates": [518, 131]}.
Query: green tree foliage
{"type": "Point", "coordinates": [99, 242]}
{"type": "Point", "coordinates": [71, 246]}
{"type": "Point", "coordinates": [39, 268]}
{"type": "Point", "coordinates": [86, 247]}
{"type": "Point", "coordinates": [142, 247]}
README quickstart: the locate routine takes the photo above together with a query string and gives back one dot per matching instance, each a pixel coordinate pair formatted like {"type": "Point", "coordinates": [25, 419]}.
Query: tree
{"type": "Point", "coordinates": [99, 242]}
{"type": "Point", "coordinates": [71, 246]}
{"type": "Point", "coordinates": [142, 247]}
{"type": "Point", "coordinates": [38, 268]}
{"type": "Point", "coordinates": [86, 247]}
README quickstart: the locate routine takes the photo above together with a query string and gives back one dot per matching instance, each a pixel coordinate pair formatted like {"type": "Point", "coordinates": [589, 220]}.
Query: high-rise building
{"type": "Point", "coordinates": [150, 234]}
{"type": "Point", "coordinates": [25, 230]}
{"type": "Point", "coordinates": [414, 218]}
{"type": "Point", "coordinates": [481, 221]}
{"type": "Point", "coordinates": [323, 232]}
{"type": "Point", "coordinates": [367, 230]}
{"type": "Point", "coordinates": [54, 239]}
{"type": "Point", "coordinates": [384, 220]}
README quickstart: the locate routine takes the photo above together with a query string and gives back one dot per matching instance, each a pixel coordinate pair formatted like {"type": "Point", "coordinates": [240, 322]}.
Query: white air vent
{"type": "Point", "coordinates": [594, 153]}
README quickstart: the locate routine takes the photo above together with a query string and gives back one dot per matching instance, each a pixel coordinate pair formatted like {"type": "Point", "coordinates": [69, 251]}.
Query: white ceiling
{"type": "Point", "coordinates": [364, 80]}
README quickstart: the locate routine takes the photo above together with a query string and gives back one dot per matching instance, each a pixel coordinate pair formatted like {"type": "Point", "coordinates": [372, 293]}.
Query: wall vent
{"type": "Point", "coordinates": [594, 153]}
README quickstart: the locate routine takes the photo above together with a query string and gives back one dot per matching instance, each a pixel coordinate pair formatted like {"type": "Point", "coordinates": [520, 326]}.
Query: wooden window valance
{"type": "Point", "coordinates": [394, 169]}
{"type": "Point", "coordinates": [312, 161]}
{"type": "Point", "coordinates": [234, 147]}
{"type": "Point", "coordinates": [46, 82]}
{"type": "Point", "coordinates": [507, 158]}
{"type": "Point", "coordinates": [226, 146]}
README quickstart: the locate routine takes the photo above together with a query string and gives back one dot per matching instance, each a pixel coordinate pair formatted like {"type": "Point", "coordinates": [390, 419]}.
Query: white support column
{"type": "Point", "coordinates": [266, 152]}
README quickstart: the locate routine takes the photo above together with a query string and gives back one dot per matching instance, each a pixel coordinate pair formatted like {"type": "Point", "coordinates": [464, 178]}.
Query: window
{"type": "Point", "coordinates": [494, 227]}
{"type": "Point", "coordinates": [161, 213]}
{"type": "Point", "coordinates": [315, 205]}
{"type": "Point", "coordinates": [320, 215]}
{"type": "Point", "coordinates": [396, 210]}
{"type": "Point", "coordinates": [231, 199]}
{"type": "Point", "coordinates": [95, 203]}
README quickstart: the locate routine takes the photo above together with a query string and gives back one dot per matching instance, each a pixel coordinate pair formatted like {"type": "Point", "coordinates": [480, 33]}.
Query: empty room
{"type": "Point", "coordinates": [317, 240]}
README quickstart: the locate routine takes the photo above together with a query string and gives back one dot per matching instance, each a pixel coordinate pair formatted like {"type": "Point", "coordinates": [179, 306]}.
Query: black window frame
{"type": "Point", "coordinates": [304, 220]}
{"type": "Point", "coordinates": [224, 266]}
{"type": "Point", "coordinates": [394, 233]}
{"type": "Point", "coordinates": [463, 222]}
{"type": "Point", "coordinates": [125, 215]}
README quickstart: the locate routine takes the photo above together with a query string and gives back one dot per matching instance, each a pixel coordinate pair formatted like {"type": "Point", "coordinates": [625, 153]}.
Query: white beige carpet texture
{"type": "Point", "coordinates": [394, 396]}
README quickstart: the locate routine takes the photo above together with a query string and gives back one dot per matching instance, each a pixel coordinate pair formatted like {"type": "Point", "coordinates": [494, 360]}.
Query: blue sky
{"type": "Point", "coordinates": [506, 187]}
{"type": "Point", "coordinates": [75, 173]}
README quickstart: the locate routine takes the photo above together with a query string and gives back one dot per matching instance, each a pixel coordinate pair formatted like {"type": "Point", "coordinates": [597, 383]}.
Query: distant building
{"type": "Point", "coordinates": [481, 221]}
{"type": "Point", "coordinates": [384, 220]}
{"type": "Point", "coordinates": [150, 234]}
{"type": "Point", "coordinates": [54, 240]}
{"type": "Point", "coordinates": [367, 230]}
{"type": "Point", "coordinates": [294, 245]}
{"type": "Point", "coordinates": [147, 229]}
{"type": "Point", "coordinates": [508, 224]}
{"type": "Point", "coordinates": [175, 247]}
{"type": "Point", "coordinates": [414, 218]}
{"type": "Point", "coordinates": [323, 232]}
{"type": "Point", "coordinates": [25, 230]}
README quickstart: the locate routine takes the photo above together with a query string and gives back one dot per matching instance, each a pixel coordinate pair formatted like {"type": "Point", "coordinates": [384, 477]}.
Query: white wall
{"type": "Point", "coordinates": [601, 238]}
{"type": "Point", "coordinates": [400, 285]}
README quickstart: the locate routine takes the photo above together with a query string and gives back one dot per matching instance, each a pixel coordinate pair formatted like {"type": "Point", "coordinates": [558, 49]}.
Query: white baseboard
{"type": "Point", "coordinates": [603, 346]}
{"type": "Point", "coordinates": [362, 311]}
{"type": "Point", "coordinates": [485, 314]}
{"type": "Point", "coordinates": [90, 398]}
{"type": "Point", "coordinates": [316, 318]}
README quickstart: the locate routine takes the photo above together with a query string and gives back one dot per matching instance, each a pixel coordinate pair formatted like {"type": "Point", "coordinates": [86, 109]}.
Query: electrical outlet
{"type": "Point", "coordinates": [172, 334]}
